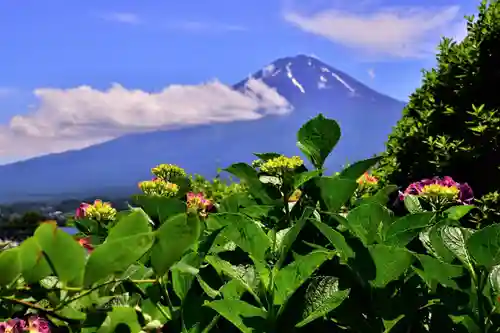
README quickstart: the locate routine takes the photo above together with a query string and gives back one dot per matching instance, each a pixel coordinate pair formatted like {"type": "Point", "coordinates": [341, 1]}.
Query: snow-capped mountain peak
{"type": "Point", "coordinates": [305, 74]}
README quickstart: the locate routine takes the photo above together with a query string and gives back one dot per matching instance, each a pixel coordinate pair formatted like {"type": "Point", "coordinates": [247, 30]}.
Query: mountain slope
{"type": "Point", "coordinates": [365, 116]}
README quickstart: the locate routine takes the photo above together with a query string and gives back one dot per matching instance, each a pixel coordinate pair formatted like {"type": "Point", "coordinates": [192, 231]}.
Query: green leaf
{"type": "Point", "coordinates": [494, 278]}
{"type": "Point", "coordinates": [292, 276]}
{"type": "Point", "coordinates": [267, 156]}
{"type": "Point", "coordinates": [357, 169]}
{"type": "Point", "coordinates": [455, 240]}
{"type": "Point", "coordinates": [406, 228]}
{"type": "Point", "coordinates": [322, 296]}
{"type": "Point", "coordinates": [34, 265]}
{"type": "Point", "coordinates": [120, 315]}
{"type": "Point", "coordinates": [382, 195]}
{"type": "Point", "coordinates": [245, 233]}
{"type": "Point", "coordinates": [174, 237]}
{"type": "Point", "coordinates": [244, 275]}
{"type": "Point", "coordinates": [303, 177]}
{"type": "Point", "coordinates": [181, 279]}
{"type": "Point", "coordinates": [336, 239]}
{"type": "Point", "coordinates": [317, 138]}
{"type": "Point", "coordinates": [484, 246]}
{"type": "Point", "coordinates": [241, 314]}
{"type": "Point", "coordinates": [412, 204]}
{"type": "Point", "coordinates": [457, 212]}
{"type": "Point", "coordinates": [248, 174]}
{"type": "Point", "coordinates": [233, 289]}
{"type": "Point", "coordinates": [161, 208]}
{"type": "Point", "coordinates": [291, 235]}
{"type": "Point", "coordinates": [436, 270]}
{"type": "Point", "coordinates": [368, 220]}
{"type": "Point", "coordinates": [137, 222]}
{"type": "Point", "coordinates": [335, 191]}
{"type": "Point", "coordinates": [390, 263]}
{"type": "Point", "coordinates": [63, 253]}
{"type": "Point", "coordinates": [10, 266]}
{"type": "Point", "coordinates": [116, 256]}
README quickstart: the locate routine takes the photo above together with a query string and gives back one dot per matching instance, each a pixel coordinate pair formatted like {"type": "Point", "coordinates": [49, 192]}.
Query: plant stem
{"type": "Point", "coordinates": [49, 312]}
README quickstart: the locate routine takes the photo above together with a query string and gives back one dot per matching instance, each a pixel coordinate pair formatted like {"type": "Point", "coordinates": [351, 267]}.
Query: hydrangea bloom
{"type": "Point", "coordinates": [444, 188]}
{"type": "Point", "coordinates": [367, 179]}
{"type": "Point", "coordinates": [159, 187]}
{"type": "Point", "coordinates": [199, 202]}
{"type": "Point", "coordinates": [99, 210]}
{"type": "Point", "coordinates": [168, 172]}
{"type": "Point", "coordinates": [34, 324]}
{"type": "Point", "coordinates": [281, 165]}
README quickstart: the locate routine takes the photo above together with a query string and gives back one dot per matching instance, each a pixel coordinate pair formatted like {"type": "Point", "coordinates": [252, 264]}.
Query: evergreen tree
{"type": "Point", "coordinates": [451, 125]}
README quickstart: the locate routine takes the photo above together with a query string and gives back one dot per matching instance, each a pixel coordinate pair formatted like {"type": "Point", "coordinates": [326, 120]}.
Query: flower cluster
{"type": "Point", "coordinates": [34, 324]}
{"type": "Point", "coordinates": [281, 165]}
{"type": "Point", "coordinates": [198, 202]}
{"type": "Point", "coordinates": [367, 179]}
{"type": "Point", "coordinates": [168, 172]}
{"type": "Point", "coordinates": [99, 210]}
{"type": "Point", "coordinates": [159, 187]}
{"type": "Point", "coordinates": [440, 189]}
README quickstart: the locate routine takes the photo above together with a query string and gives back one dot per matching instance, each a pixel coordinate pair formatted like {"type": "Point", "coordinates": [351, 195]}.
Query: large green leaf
{"type": "Point", "coordinates": [455, 240]}
{"type": "Point", "coordinates": [158, 207]}
{"type": "Point", "coordinates": [322, 296]}
{"type": "Point", "coordinates": [10, 266]}
{"type": "Point", "coordinates": [405, 229]}
{"type": "Point", "coordinates": [357, 169]}
{"type": "Point", "coordinates": [116, 256]}
{"type": "Point", "coordinates": [457, 212]}
{"type": "Point", "coordinates": [241, 314]}
{"type": "Point", "coordinates": [245, 233]}
{"type": "Point", "coordinates": [183, 279]}
{"type": "Point", "coordinates": [248, 174]}
{"type": "Point", "coordinates": [120, 315]}
{"type": "Point", "coordinates": [317, 138]}
{"type": "Point", "coordinates": [303, 177]}
{"type": "Point", "coordinates": [291, 235]}
{"type": "Point", "coordinates": [484, 246]}
{"type": "Point", "coordinates": [174, 237]}
{"type": "Point", "coordinates": [64, 254]}
{"type": "Point", "coordinates": [34, 265]}
{"type": "Point", "coordinates": [382, 195]}
{"type": "Point", "coordinates": [292, 276]}
{"type": "Point", "coordinates": [336, 239]}
{"type": "Point", "coordinates": [436, 270]}
{"type": "Point", "coordinates": [368, 221]}
{"type": "Point", "coordinates": [412, 203]}
{"type": "Point", "coordinates": [390, 263]}
{"type": "Point", "coordinates": [335, 191]}
{"type": "Point", "coordinates": [494, 278]}
{"type": "Point", "coordinates": [137, 222]}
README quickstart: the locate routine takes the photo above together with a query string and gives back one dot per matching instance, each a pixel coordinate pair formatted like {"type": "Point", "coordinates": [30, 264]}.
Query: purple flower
{"type": "Point", "coordinates": [440, 187]}
{"type": "Point", "coordinates": [38, 325]}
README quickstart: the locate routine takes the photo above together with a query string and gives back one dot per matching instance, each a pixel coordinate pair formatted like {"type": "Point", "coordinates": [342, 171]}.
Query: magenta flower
{"type": "Point", "coordinates": [13, 326]}
{"type": "Point", "coordinates": [80, 211]}
{"type": "Point", "coordinates": [440, 187]}
{"type": "Point", "coordinates": [199, 202]}
{"type": "Point", "coordinates": [38, 325]}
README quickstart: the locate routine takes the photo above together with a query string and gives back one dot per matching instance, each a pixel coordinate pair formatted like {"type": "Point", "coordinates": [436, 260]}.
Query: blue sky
{"type": "Point", "coordinates": [60, 58]}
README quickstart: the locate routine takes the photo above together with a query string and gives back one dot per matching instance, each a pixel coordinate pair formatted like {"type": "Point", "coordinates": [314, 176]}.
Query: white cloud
{"type": "Point", "coordinates": [121, 17]}
{"type": "Point", "coordinates": [402, 32]}
{"type": "Point", "coordinates": [371, 73]}
{"type": "Point", "coordinates": [78, 117]}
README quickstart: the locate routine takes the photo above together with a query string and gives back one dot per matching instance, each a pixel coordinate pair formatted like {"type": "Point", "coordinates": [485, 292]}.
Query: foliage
{"type": "Point", "coordinates": [451, 124]}
{"type": "Point", "coordinates": [277, 257]}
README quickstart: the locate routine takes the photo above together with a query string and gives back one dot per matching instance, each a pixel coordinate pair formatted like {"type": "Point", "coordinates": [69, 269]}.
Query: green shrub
{"type": "Point", "coordinates": [279, 256]}
{"type": "Point", "coordinates": [451, 125]}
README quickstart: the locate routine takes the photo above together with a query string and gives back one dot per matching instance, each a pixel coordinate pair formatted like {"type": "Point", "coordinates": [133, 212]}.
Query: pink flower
{"type": "Point", "coordinates": [80, 211]}
{"type": "Point", "coordinates": [38, 325]}
{"type": "Point", "coordinates": [198, 201]}
{"type": "Point", "coordinates": [13, 326]}
{"type": "Point", "coordinates": [444, 186]}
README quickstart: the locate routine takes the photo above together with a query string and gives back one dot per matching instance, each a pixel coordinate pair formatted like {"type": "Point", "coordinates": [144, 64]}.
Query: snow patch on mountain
{"type": "Point", "coordinates": [294, 80]}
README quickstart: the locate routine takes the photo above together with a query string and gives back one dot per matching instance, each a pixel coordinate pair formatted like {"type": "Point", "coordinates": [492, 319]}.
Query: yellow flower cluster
{"type": "Point", "coordinates": [281, 165]}
{"type": "Point", "coordinates": [168, 172]}
{"type": "Point", "coordinates": [159, 187]}
{"type": "Point", "coordinates": [438, 190]}
{"type": "Point", "coordinates": [100, 211]}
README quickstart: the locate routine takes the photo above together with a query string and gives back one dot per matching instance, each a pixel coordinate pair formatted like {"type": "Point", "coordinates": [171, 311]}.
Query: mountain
{"type": "Point", "coordinates": [366, 118]}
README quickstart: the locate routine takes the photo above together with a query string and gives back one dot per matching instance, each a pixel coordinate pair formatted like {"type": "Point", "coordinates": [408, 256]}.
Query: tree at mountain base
{"type": "Point", "coordinates": [451, 125]}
